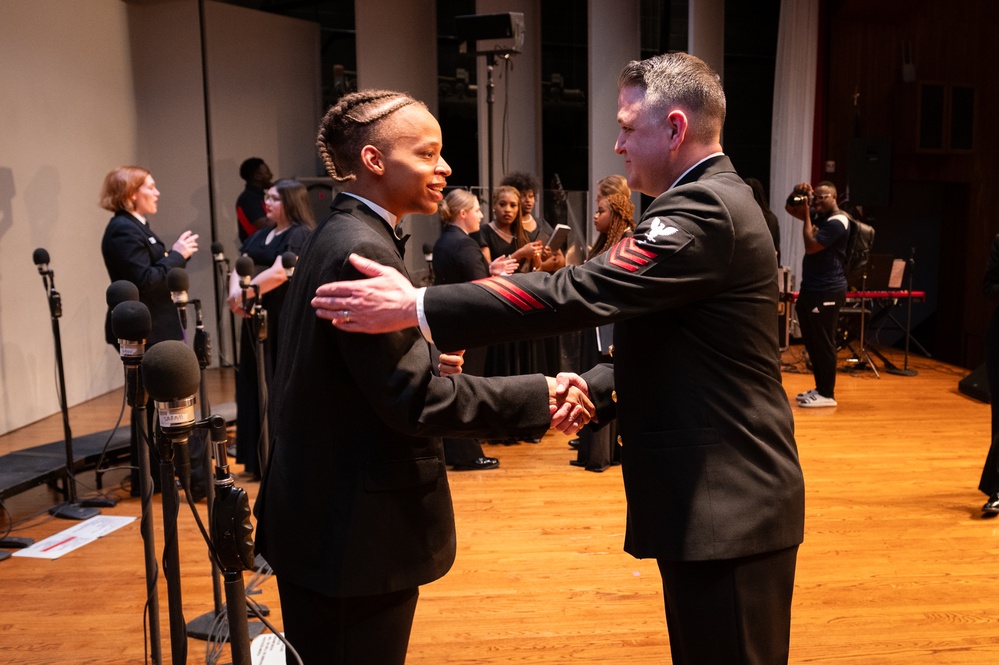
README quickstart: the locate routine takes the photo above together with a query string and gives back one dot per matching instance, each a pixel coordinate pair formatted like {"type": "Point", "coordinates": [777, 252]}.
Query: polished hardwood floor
{"type": "Point", "coordinates": [896, 567]}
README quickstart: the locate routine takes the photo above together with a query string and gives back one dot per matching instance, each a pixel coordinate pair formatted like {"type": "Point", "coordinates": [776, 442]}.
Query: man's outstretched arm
{"type": "Point", "coordinates": [384, 303]}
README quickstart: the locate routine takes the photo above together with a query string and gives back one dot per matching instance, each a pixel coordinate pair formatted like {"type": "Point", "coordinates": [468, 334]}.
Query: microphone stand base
{"type": "Point", "coordinates": [16, 542]}
{"type": "Point", "coordinates": [99, 502]}
{"type": "Point", "coordinates": [201, 628]}
{"type": "Point", "coordinates": [73, 511]}
{"type": "Point", "coordinates": [901, 372]}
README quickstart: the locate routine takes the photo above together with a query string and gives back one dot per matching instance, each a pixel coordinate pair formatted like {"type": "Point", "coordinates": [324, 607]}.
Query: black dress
{"type": "Point", "coordinates": [248, 411]}
{"type": "Point", "coordinates": [458, 258]}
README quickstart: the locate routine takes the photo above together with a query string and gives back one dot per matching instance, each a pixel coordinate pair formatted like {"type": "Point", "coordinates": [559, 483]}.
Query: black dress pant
{"type": "Point", "coordinates": [731, 611]}
{"type": "Point", "coordinates": [358, 630]}
{"type": "Point", "coordinates": [818, 316]}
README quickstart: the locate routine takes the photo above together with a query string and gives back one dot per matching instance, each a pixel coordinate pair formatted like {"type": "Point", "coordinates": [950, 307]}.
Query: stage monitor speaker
{"type": "Point", "coordinates": [497, 34]}
{"type": "Point", "coordinates": [870, 172]}
{"type": "Point", "coordinates": [976, 385]}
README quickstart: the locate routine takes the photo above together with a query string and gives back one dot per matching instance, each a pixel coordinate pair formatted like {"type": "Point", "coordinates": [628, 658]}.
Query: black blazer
{"type": "Point", "coordinates": [133, 252]}
{"type": "Point", "coordinates": [709, 459]}
{"type": "Point", "coordinates": [355, 499]}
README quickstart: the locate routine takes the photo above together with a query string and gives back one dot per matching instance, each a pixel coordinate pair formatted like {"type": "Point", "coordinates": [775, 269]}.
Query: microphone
{"type": "Point", "coordinates": [288, 261]}
{"type": "Point", "coordinates": [41, 258]}
{"type": "Point", "coordinates": [171, 375]}
{"type": "Point", "coordinates": [428, 251]}
{"type": "Point", "coordinates": [217, 252]}
{"type": "Point", "coordinates": [178, 282]}
{"type": "Point", "coordinates": [121, 290]}
{"type": "Point", "coordinates": [131, 324]}
{"type": "Point", "coordinates": [244, 268]}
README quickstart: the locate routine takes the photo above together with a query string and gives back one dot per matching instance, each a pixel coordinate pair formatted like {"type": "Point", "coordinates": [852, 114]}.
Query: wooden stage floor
{"type": "Point", "coordinates": [895, 568]}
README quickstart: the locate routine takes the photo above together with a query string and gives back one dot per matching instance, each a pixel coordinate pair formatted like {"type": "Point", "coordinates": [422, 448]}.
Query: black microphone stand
{"type": "Point", "coordinates": [231, 537]}
{"type": "Point", "coordinates": [201, 627]}
{"type": "Point", "coordinates": [258, 332]}
{"type": "Point", "coordinates": [138, 399]}
{"type": "Point", "coordinates": [170, 500]}
{"type": "Point", "coordinates": [221, 311]}
{"type": "Point", "coordinates": [72, 508]}
{"type": "Point", "coordinates": [905, 371]}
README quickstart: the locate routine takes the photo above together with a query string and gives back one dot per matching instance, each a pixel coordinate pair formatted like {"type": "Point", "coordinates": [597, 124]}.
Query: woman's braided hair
{"type": "Point", "coordinates": [351, 124]}
{"type": "Point", "coordinates": [614, 189]}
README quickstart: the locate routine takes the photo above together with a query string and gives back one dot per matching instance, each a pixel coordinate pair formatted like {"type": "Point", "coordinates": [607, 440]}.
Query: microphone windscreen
{"type": "Point", "coordinates": [217, 247]}
{"type": "Point", "coordinates": [130, 321]}
{"type": "Point", "coordinates": [170, 371]}
{"type": "Point", "coordinates": [244, 266]}
{"type": "Point", "coordinates": [177, 279]}
{"type": "Point", "coordinates": [289, 260]}
{"type": "Point", "coordinates": [120, 291]}
{"type": "Point", "coordinates": [40, 256]}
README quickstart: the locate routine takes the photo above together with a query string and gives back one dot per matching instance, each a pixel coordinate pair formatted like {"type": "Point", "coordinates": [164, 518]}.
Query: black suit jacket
{"type": "Point", "coordinates": [134, 253]}
{"type": "Point", "coordinates": [709, 460]}
{"type": "Point", "coordinates": [355, 499]}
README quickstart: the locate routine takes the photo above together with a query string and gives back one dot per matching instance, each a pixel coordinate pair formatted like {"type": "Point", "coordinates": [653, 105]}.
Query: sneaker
{"type": "Point", "coordinates": [816, 401]}
{"type": "Point", "coordinates": [807, 394]}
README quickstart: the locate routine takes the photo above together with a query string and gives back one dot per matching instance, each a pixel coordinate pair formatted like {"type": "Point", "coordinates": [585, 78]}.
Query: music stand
{"type": "Point", "coordinates": [906, 371]}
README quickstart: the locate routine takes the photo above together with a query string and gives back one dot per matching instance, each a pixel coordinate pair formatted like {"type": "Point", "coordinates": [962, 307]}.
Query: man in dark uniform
{"type": "Point", "coordinates": [354, 509]}
{"type": "Point", "coordinates": [714, 487]}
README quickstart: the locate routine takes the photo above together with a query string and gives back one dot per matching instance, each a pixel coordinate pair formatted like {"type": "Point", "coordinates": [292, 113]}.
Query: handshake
{"type": "Point", "coordinates": [569, 402]}
{"type": "Point", "coordinates": [568, 396]}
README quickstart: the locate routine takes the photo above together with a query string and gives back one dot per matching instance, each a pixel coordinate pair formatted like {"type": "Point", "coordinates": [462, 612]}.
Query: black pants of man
{"type": "Point", "coordinates": [818, 316]}
{"type": "Point", "coordinates": [361, 630]}
{"type": "Point", "coordinates": [732, 611]}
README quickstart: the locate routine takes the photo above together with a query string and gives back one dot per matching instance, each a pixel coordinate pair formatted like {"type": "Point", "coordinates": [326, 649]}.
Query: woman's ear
{"type": "Point", "coordinates": [372, 159]}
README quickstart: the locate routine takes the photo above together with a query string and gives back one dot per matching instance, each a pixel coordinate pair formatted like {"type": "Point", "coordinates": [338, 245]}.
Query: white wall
{"type": "Point", "coordinates": [399, 47]}
{"type": "Point", "coordinates": [264, 100]}
{"type": "Point", "coordinates": [613, 34]}
{"type": "Point", "coordinates": [89, 85]}
{"type": "Point", "coordinates": [521, 85]}
{"type": "Point", "coordinates": [68, 118]}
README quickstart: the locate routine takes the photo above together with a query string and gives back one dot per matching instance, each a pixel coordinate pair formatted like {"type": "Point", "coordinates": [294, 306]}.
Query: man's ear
{"type": "Point", "coordinates": [676, 128]}
{"type": "Point", "coordinates": [372, 159]}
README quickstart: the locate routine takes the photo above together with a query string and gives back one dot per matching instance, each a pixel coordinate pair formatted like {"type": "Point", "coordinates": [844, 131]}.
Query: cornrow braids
{"type": "Point", "coordinates": [352, 123]}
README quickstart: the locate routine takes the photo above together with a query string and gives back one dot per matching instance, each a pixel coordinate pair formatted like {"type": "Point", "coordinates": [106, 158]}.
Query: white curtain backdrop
{"type": "Point", "coordinates": [793, 119]}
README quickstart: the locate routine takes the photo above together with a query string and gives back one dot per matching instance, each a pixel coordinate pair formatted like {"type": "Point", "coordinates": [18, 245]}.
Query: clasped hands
{"type": "Point", "coordinates": [568, 395]}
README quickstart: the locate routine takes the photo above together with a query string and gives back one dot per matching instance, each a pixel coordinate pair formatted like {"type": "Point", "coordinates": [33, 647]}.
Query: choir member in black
{"type": "Point", "coordinates": [613, 220]}
{"type": "Point", "coordinates": [290, 212]}
{"type": "Point", "coordinates": [458, 258]}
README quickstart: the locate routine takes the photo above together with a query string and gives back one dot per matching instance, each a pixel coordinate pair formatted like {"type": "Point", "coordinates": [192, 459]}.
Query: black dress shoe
{"type": "Point", "coordinates": [574, 443]}
{"type": "Point", "coordinates": [991, 506]}
{"type": "Point", "coordinates": [478, 465]}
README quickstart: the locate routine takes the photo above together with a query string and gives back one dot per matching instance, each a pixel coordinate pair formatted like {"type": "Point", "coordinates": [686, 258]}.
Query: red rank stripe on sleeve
{"type": "Point", "coordinates": [511, 293]}
{"type": "Point", "coordinates": [627, 255]}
